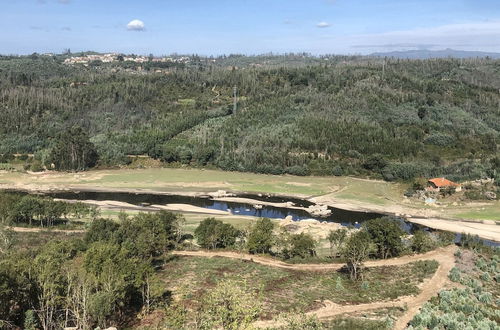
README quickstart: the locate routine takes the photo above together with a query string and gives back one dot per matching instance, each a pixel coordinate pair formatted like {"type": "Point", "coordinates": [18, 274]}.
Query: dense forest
{"type": "Point", "coordinates": [297, 114]}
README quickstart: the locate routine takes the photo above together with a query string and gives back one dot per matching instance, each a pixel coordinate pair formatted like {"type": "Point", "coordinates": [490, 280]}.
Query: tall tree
{"type": "Point", "coordinates": [73, 151]}
{"type": "Point", "coordinates": [386, 233]}
{"type": "Point", "coordinates": [336, 239]}
{"type": "Point", "coordinates": [356, 250]}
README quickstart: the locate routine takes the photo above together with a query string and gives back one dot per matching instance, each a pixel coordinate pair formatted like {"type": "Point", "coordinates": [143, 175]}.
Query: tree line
{"type": "Point", "coordinates": [379, 238]}
{"type": "Point", "coordinates": [33, 210]}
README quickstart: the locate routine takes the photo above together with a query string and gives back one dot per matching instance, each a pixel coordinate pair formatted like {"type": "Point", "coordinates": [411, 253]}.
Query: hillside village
{"type": "Point", "coordinates": [115, 57]}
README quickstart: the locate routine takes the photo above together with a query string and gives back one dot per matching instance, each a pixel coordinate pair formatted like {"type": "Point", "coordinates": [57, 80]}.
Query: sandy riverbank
{"type": "Point", "coordinates": [116, 205]}
{"type": "Point", "coordinates": [428, 217]}
{"type": "Point", "coordinates": [489, 231]}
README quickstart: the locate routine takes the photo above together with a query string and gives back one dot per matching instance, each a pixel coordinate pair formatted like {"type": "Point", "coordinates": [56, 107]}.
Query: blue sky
{"type": "Point", "coordinates": [212, 27]}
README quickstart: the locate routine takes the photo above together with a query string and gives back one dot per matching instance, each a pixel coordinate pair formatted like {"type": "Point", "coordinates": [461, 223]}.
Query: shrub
{"type": "Point", "coordinates": [298, 170]}
{"type": "Point", "coordinates": [261, 238]}
{"type": "Point", "coordinates": [301, 321]}
{"type": "Point", "coordinates": [337, 171]}
{"type": "Point", "coordinates": [302, 245]}
{"type": "Point", "coordinates": [338, 283]}
{"type": "Point", "coordinates": [30, 320]}
{"type": "Point", "coordinates": [445, 237]}
{"type": "Point", "coordinates": [424, 268]}
{"type": "Point", "coordinates": [440, 139]}
{"type": "Point", "coordinates": [454, 274]}
{"type": "Point", "coordinates": [36, 166]}
{"type": "Point", "coordinates": [486, 298]}
{"type": "Point", "coordinates": [481, 264]}
{"type": "Point", "coordinates": [229, 306]}
{"type": "Point", "coordinates": [470, 241]}
{"type": "Point", "coordinates": [214, 234]}
{"type": "Point", "coordinates": [422, 242]}
{"type": "Point", "coordinates": [486, 277]}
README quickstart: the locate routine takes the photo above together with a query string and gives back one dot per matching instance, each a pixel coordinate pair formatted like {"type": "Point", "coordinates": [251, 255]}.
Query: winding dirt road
{"type": "Point", "coordinates": [267, 261]}
{"type": "Point", "coordinates": [330, 310]}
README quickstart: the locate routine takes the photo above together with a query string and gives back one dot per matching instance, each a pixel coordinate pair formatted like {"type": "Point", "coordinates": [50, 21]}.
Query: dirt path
{"type": "Point", "coordinates": [429, 288]}
{"type": "Point", "coordinates": [487, 230]}
{"type": "Point", "coordinates": [330, 310]}
{"type": "Point", "coordinates": [267, 261]}
{"type": "Point", "coordinates": [37, 230]}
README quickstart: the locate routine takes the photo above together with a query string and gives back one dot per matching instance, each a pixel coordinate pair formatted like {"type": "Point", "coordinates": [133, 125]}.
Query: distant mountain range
{"type": "Point", "coordinates": [445, 53]}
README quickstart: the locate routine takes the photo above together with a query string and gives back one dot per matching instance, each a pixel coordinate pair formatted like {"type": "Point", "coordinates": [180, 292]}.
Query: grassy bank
{"type": "Point", "coordinates": [199, 180]}
{"type": "Point", "coordinates": [285, 291]}
{"type": "Point", "coordinates": [345, 192]}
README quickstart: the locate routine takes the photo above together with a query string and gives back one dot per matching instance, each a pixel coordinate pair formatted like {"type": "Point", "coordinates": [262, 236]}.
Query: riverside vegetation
{"type": "Point", "coordinates": [121, 273]}
{"type": "Point", "coordinates": [331, 115]}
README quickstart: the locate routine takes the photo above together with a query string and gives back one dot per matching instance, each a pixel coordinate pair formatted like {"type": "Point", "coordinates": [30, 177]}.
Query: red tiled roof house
{"type": "Point", "coordinates": [438, 183]}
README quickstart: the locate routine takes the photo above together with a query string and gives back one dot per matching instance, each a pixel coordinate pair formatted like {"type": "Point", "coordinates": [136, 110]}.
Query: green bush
{"type": "Point", "coordinates": [214, 234]}
{"type": "Point", "coordinates": [440, 139]}
{"type": "Point", "coordinates": [422, 242]}
{"type": "Point", "coordinates": [30, 320]}
{"type": "Point", "coordinates": [303, 246]}
{"type": "Point", "coordinates": [36, 166]}
{"type": "Point", "coordinates": [297, 170]}
{"type": "Point", "coordinates": [261, 236]}
{"type": "Point", "coordinates": [445, 238]}
{"type": "Point", "coordinates": [454, 274]}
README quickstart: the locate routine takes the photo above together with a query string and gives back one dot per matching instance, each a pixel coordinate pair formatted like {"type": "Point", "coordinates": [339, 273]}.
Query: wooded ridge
{"type": "Point", "coordinates": [296, 114]}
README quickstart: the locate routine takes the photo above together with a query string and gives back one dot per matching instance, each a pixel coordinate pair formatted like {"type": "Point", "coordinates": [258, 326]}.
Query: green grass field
{"type": "Point", "coordinates": [486, 213]}
{"type": "Point", "coordinates": [200, 180]}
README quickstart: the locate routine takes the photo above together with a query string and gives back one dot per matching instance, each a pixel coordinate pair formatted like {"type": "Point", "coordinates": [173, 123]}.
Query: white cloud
{"type": "Point", "coordinates": [136, 25]}
{"type": "Point", "coordinates": [323, 24]}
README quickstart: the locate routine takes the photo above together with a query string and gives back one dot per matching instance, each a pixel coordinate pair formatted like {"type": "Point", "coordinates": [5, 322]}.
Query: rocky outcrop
{"type": "Point", "coordinates": [319, 210]}
{"type": "Point", "coordinates": [220, 194]}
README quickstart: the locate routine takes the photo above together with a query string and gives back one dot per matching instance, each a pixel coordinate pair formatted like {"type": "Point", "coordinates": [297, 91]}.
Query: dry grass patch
{"type": "Point", "coordinates": [284, 291]}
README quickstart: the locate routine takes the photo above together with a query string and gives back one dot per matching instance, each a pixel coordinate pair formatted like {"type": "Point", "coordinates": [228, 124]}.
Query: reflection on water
{"type": "Point", "coordinates": [344, 217]}
{"type": "Point", "coordinates": [338, 215]}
